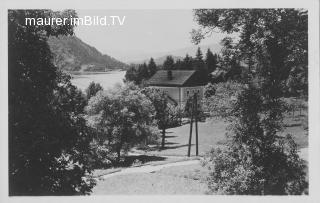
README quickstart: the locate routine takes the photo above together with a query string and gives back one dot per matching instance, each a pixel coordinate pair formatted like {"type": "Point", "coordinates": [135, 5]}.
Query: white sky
{"type": "Point", "coordinates": [144, 32]}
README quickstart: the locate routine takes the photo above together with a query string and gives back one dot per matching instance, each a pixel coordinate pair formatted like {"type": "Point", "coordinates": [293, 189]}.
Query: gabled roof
{"type": "Point", "coordinates": [179, 78]}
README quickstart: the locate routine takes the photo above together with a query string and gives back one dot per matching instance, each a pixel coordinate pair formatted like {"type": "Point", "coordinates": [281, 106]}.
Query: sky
{"type": "Point", "coordinates": [143, 32]}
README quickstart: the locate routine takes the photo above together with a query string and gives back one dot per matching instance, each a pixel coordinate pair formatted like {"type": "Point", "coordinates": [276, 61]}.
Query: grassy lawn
{"type": "Point", "coordinates": [183, 179]}
{"type": "Point", "coordinates": [212, 132]}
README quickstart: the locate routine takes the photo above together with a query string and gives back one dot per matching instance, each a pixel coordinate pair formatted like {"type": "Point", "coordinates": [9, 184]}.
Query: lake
{"type": "Point", "coordinates": [106, 79]}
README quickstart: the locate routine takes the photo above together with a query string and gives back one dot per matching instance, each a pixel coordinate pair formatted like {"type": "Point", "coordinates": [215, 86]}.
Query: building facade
{"type": "Point", "coordinates": [179, 85]}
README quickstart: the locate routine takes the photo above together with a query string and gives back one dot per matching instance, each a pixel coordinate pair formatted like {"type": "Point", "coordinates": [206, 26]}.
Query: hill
{"type": "Point", "coordinates": [72, 54]}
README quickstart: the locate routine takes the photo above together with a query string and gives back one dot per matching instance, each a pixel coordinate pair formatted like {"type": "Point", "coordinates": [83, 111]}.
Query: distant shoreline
{"type": "Point", "coordinates": [92, 72]}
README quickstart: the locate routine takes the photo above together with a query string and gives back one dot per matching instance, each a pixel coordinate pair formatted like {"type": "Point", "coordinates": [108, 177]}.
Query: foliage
{"type": "Point", "coordinates": [166, 114]}
{"type": "Point", "coordinates": [72, 54]}
{"type": "Point", "coordinates": [138, 74]}
{"type": "Point", "coordinates": [122, 116]}
{"type": "Point", "coordinates": [93, 89]}
{"type": "Point", "coordinates": [273, 42]}
{"type": "Point", "coordinates": [199, 64]}
{"type": "Point", "coordinates": [211, 61]}
{"type": "Point", "coordinates": [209, 90]}
{"type": "Point", "coordinates": [48, 137]}
{"type": "Point", "coordinates": [283, 33]}
{"type": "Point", "coordinates": [152, 67]}
{"type": "Point", "coordinates": [168, 64]}
{"type": "Point", "coordinates": [220, 104]}
{"type": "Point", "coordinates": [188, 63]}
{"type": "Point", "coordinates": [256, 160]}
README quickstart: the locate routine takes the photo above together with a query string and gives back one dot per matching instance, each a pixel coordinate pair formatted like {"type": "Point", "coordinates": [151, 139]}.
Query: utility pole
{"type": "Point", "coordinates": [194, 114]}
{"type": "Point", "coordinates": [190, 136]}
{"type": "Point", "coordinates": [196, 122]}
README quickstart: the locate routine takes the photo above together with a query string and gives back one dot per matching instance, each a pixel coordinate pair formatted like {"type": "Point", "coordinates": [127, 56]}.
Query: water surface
{"type": "Point", "coordinates": [106, 79]}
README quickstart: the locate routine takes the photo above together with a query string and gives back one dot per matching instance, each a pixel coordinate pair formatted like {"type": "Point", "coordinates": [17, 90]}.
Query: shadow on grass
{"type": "Point", "coordinates": [171, 136]}
{"type": "Point", "coordinates": [292, 125]}
{"type": "Point", "coordinates": [174, 147]}
{"type": "Point", "coordinates": [142, 159]}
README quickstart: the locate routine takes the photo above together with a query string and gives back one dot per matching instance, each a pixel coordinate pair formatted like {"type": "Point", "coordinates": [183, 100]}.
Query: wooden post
{"type": "Point", "coordinates": [164, 123]}
{"type": "Point", "coordinates": [190, 136]}
{"type": "Point", "coordinates": [196, 123]}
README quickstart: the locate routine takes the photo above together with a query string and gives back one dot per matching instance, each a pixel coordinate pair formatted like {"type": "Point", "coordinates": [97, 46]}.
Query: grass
{"type": "Point", "coordinates": [212, 133]}
{"type": "Point", "coordinates": [184, 179]}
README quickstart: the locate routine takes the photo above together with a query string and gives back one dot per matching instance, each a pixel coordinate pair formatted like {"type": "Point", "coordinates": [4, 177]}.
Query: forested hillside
{"type": "Point", "coordinates": [72, 54]}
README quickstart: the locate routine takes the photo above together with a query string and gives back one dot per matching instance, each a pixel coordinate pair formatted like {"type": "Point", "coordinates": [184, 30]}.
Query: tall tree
{"type": "Point", "coordinates": [143, 72]}
{"type": "Point", "coordinates": [187, 63]}
{"type": "Point", "coordinates": [267, 162]}
{"type": "Point", "coordinates": [199, 64]}
{"type": "Point", "coordinates": [48, 137]}
{"type": "Point", "coordinates": [211, 61]}
{"type": "Point", "coordinates": [178, 65]}
{"type": "Point", "coordinates": [168, 64]}
{"type": "Point", "coordinates": [152, 67]}
{"type": "Point", "coordinates": [131, 75]}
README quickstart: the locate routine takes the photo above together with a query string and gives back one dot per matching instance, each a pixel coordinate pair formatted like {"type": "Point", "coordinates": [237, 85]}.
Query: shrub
{"type": "Point", "coordinates": [93, 89]}
{"type": "Point", "coordinates": [209, 90]}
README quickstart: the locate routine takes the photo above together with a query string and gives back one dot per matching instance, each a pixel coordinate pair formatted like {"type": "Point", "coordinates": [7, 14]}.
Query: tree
{"type": "Point", "coordinates": [168, 64]}
{"type": "Point", "coordinates": [198, 61]}
{"type": "Point", "coordinates": [211, 61]}
{"type": "Point", "coordinates": [152, 67]}
{"type": "Point", "coordinates": [178, 65]}
{"type": "Point", "coordinates": [143, 72]}
{"type": "Point", "coordinates": [93, 89]}
{"type": "Point", "coordinates": [160, 104]}
{"type": "Point", "coordinates": [132, 75]}
{"type": "Point", "coordinates": [166, 114]}
{"type": "Point", "coordinates": [256, 160]}
{"type": "Point", "coordinates": [122, 116]}
{"type": "Point", "coordinates": [199, 64]}
{"type": "Point", "coordinates": [48, 137]}
{"type": "Point", "coordinates": [282, 31]}
{"type": "Point", "coordinates": [187, 63]}
{"type": "Point", "coordinates": [265, 162]}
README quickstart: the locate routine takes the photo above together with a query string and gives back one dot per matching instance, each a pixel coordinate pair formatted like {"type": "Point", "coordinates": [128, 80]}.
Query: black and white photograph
{"type": "Point", "coordinates": [203, 101]}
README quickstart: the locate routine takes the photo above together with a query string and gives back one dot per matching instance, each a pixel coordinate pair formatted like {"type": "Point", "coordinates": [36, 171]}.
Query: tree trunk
{"type": "Point", "coordinates": [118, 154]}
{"type": "Point", "coordinates": [163, 137]}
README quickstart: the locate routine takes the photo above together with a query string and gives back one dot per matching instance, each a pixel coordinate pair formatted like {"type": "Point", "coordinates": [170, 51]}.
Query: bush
{"type": "Point", "coordinates": [209, 90]}
{"type": "Point", "coordinates": [93, 89]}
{"type": "Point", "coordinates": [174, 116]}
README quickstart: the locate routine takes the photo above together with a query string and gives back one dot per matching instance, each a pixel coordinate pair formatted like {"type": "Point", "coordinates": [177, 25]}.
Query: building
{"type": "Point", "coordinates": [178, 84]}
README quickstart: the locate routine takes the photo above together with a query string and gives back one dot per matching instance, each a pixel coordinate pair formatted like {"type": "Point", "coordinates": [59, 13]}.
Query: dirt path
{"type": "Point", "coordinates": [149, 168]}
{"type": "Point", "coordinates": [184, 177]}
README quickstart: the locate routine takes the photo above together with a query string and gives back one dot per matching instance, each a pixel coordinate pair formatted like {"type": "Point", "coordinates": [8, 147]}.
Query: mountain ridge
{"type": "Point", "coordinates": [72, 54]}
